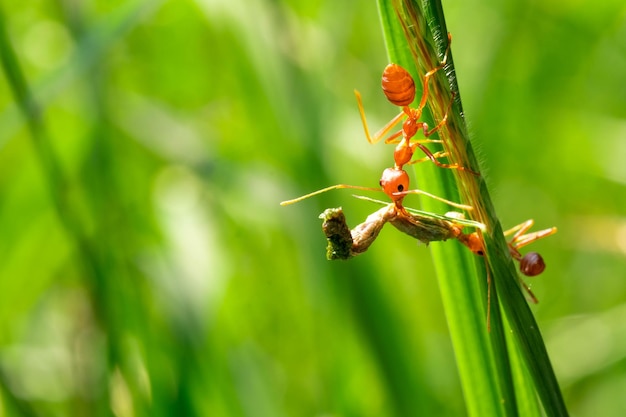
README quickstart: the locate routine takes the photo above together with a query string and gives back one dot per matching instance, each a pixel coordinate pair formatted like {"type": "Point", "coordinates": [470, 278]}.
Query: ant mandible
{"type": "Point", "coordinates": [399, 88]}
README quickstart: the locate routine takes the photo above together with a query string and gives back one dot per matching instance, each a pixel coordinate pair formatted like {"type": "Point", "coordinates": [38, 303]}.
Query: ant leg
{"type": "Point", "coordinates": [323, 190]}
{"type": "Point", "coordinates": [474, 242]}
{"type": "Point", "coordinates": [433, 158]}
{"type": "Point", "coordinates": [520, 229]}
{"type": "Point", "coordinates": [533, 299]}
{"type": "Point", "coordinates": [442, 122]}
{"type": "Point", "coordinates": [488, 294]}
{"type": "Point", "coordinates": [394, 139]}
{"type": "Point", "coordinates": [443, 200]}
{"type": "Point", "coordinates": [384, 130]}
{"type": "Point", "coordinates": [430, 74]}
{"type": "Point", "coordinates": [531, 237]}
{"type": "Point", "coordinates": [439, 154]}
{"type": "Point", "coordinates": [521, 238]}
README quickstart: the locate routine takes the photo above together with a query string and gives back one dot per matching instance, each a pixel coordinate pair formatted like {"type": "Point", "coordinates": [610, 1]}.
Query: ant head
{"type": "Point", "coordinates": [475, 244]}
{"type": "Point", "coordinates": [394, 181]}
{"type": "Point", "coordinates": [532, 264]}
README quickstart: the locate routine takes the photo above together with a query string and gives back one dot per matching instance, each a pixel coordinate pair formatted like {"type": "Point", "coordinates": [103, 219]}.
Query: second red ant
{"type": "Point", "coordinates": [399, 88]}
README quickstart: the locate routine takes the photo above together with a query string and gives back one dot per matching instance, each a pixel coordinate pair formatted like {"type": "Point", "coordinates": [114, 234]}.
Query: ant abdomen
{"type": "Point", "coordinates": [398, 85]}
{"type": "Point", "coordinates": [532, 264]}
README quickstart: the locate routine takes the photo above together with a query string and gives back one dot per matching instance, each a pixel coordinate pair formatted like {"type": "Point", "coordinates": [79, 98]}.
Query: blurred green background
{"type": "Point", "coordinates": [159, 276]}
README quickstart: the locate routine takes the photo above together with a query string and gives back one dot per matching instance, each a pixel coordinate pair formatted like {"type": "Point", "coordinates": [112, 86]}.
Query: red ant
{"type": "Point", "coordinates": [399, 88]}
{"type": "Point", "coordinates": [531, 264]}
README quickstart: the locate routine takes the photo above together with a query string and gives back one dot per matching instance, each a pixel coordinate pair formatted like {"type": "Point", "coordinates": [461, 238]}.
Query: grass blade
{"type": "Point", "coordinates": [456, 272]}
{"type": "Point", "coordinates": [419, 46]}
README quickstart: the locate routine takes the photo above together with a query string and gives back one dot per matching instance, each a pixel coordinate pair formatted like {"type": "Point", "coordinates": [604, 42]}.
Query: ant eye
{"type": "Point", "coordinates": [381, 183]}
{"type": "Point", "coordinates": [400, 188]}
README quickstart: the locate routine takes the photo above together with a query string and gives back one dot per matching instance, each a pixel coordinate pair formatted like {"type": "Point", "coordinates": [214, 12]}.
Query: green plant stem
{"type": "Point", "coordinates": [416, 37]}
{"type": "Point", "coordinates": [456, 273]}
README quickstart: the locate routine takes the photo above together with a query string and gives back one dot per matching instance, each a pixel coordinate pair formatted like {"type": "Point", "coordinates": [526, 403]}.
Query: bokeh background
{"type": "Point", "coordinates": [156, 274]}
